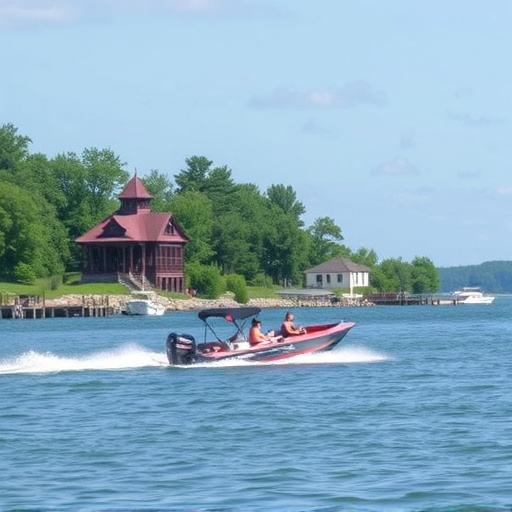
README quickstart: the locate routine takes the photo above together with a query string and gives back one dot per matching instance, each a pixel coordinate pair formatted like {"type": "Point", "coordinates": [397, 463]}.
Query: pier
{"type": "Point", "coordinates": [407, 299]}
{"type": "Point", "coordinates": [34, 307]}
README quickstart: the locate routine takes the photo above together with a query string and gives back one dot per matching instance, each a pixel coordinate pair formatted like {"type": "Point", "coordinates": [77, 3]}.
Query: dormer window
{"type": "Point", "coordinates": [169, 230]}
{"type": "Point", "coordinates": [113, 230]}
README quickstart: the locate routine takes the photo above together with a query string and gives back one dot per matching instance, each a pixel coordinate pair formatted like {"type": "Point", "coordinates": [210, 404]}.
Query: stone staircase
{"type": "Point", "coordinates": [136, 283]}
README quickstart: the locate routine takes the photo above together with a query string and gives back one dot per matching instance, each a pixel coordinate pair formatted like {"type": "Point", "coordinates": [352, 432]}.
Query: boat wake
{"type": "Point", "coordinates": [122, 358]}
{"type": "Point", "coordinates": [346, 355]}
{"type": "Point", "coordinates": [133, 356]}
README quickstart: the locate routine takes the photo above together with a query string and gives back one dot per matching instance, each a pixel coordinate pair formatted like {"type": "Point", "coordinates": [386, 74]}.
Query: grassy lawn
{"type": "Point", "coordinates": [44, 288]}
{"type": "Point", "coordinates": [72, 286]}
{"type": "Point", "coordinates": [260, 292]}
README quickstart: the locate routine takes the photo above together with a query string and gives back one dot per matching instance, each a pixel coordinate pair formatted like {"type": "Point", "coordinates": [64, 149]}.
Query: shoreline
{"type": "Point", "coordinates": [118, 302]}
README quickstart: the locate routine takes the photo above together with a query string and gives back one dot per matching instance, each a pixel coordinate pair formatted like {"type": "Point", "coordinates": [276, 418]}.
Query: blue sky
{"type": "Point", "coordinates": [393, 117]}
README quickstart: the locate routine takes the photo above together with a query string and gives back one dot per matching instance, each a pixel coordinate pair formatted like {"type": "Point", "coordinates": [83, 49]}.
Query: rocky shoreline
{"type": "Point", "coordinates": [118, 302]}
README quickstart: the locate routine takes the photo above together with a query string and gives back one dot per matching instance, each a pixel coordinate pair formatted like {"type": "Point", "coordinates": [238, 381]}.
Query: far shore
{"type": "Point", "coordinates": [118, 302]}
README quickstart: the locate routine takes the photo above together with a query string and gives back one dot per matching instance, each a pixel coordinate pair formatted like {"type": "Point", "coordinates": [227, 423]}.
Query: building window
{"type": "Point", "coordinates": [112, 230]}
{"type": "Point", "coordinates": [169, 230]}
{"type": "Point", "coordinates": [328, 278]}
{"type": "Point", "coordinates": [340, 278]}
{"type": "Point", "coordinates": [319, 280]}
{"type": "Point", "coordinates": [169, 258]}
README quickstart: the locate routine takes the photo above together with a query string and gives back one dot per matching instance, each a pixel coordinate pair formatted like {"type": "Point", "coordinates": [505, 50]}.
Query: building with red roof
{"type": "Point", "coordinates": [136, 243]}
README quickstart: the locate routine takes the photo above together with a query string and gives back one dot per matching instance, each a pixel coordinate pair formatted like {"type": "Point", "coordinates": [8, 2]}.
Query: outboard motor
{"type": "Point", "coordinates": [181, 349]}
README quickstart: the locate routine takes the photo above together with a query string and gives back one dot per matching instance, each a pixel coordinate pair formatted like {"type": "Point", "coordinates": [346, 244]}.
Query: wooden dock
{"type": "Point", "coordinates": [407, 299]}
{"type": "Point", "coordinates": [34, 307]}
{"type": "Point", "coordinates": [54, 311]}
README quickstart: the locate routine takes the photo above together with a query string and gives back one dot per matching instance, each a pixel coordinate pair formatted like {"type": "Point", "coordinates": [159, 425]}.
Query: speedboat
{"type": "Point", "coordinates": [470, 295]}
{"type": "Point", "coordinates": [143, 307]}
{"type": "Point", "coordinates": [182, 349]}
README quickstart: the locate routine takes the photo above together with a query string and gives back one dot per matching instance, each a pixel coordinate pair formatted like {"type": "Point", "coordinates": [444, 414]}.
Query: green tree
{"type": "Point", "coordinates": [24, 273]}
{"type": "Point", "coordinates": [392, 275]}
{"type": "Point", "coordinates": [13, 147]}
{"type": "Point", "coordinates": [104, 180]}
{"type": "Point", "coordinates": [31, 234]}
{"type": "Point", "coordinates": [90, 185]}
{"type": "Point", "coordinates": [193, 211]}
{"type": "Point", "coordinates": [379, 280]}
{"type": "Point", "coordinates": [326, 236]}
{"type": "Point", "coordinates": [76, 211]}
{"type": "Point", "coordinates": [365, 256]}
{"type": "Point", "coordinates": [161, 188]}
{"type": "Point", "coordinates": [206, 280]}
{"type": "Point", "coordinates": [424, 276]}
{"type": "Point", "coordinates": [195, 176]}
{"type": "Point", "coordinates": [239, 231]}
{"type": "Point", "coordinates": [285, 248]}
{"type": "Point", "coordinates": [232, 247]}
{"type": "Point", "coordinates": [36, 175]}
{"type": "Point", "coordinates": [286, 198]}
{"type": "Point", "coordinates": [236, 283]}
{"type": "Point", "coordinates": [199, 176]}
{"type": "Point", "coordinates": [5, 228]}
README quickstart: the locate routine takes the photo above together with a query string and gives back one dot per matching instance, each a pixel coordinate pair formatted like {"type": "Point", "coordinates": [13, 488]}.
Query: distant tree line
{"type": "Point", "coordinates": [491, 276]}
{"type": "Point", "coordinates": [45, 203]}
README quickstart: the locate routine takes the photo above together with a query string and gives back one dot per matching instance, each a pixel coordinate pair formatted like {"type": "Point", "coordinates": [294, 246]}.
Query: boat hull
{"type": "Point", "coordinates": [477, 300]}
{"type": "Point", "coordinates": [319, 338]}
{"type": "Point", "coordinates": [470, 295]}
{"type": "Point", "coordinates": [144, 308]}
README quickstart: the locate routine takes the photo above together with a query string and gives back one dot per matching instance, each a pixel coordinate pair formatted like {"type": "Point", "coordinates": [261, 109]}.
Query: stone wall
{"type": "Point", "coordinates": [117, 302]}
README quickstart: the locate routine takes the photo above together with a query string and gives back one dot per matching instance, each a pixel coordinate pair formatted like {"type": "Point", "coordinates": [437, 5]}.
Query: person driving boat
{"type": "Point", "coordinates": [288, 328]}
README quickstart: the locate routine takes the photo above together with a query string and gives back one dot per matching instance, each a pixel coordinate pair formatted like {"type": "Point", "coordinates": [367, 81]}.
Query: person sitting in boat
{"type": "Point", "coordinates": [288, 328]}
{"type": "Point", "coordinates": [255, 335]}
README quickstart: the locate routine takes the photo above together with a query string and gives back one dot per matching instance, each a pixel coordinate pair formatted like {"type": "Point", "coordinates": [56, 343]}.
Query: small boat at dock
{"type": "Point", "coordinates": [472, 295]}
{"type": "Point", "coordinates": [143, 307]}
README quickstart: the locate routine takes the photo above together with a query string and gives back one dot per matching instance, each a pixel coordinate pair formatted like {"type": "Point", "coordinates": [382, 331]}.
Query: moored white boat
{"type": "Point", "coordinates": [472, 295]}
{"type": "Point", "coordinates": [144, 307]}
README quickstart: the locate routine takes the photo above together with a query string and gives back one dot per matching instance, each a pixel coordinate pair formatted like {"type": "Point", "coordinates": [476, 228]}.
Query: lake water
{"type": "Point", "coordinates": [412, 412]}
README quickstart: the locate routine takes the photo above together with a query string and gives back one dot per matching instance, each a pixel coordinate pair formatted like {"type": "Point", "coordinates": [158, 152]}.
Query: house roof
{"type": "Point", "coordinates": [337, 266]}
{"type": "Point", "coordinates": [135, 189]}
{"type": "Point", "coordinates": [150, 227]}
{"type": "Point", "coordinates": [140, 226]}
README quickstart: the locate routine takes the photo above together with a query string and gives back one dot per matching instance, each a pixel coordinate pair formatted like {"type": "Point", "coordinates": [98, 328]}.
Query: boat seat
{"type": "Point", "coordinates": [240, 345]}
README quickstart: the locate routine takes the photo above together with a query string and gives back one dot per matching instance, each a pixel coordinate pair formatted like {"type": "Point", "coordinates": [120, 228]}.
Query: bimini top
{"type": "Point", "coordinates": [229, 314]}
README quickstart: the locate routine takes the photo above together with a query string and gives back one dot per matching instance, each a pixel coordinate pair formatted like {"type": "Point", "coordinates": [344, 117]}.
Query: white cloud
{"type": "Point", "coordinates": [235, 8]}
{"type": "Point", "coordinates": [469, 174]}
{"type": "Point", "coordinates": [467, 119]}
{"type": "Point", "coordinates": [398, 167]}
{"type": "Point", "coordinates": [312, 126]}
{"type": "Point", "coordinates": [462, 93]}
{"type": "Point", "coordinates": [349, 95]}
{"type": "Point", "coordinates": [15, 13]}
{"type": "Point", "coordinates": [21, 13]}
{"type": "Point", "coordinates": [421, 195]}
{"type": "Point", "coordinates": [504, 191]}
{"type": "Point", "coordinates": [407, 140]}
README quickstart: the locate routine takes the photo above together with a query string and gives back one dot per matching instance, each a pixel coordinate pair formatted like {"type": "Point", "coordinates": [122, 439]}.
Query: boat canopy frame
{"type": "Point", "coordinates": [236, 316]}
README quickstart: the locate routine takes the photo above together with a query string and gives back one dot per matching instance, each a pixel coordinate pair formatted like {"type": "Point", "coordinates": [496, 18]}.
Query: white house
{"type": "Point", "coordinates": [338, 273]}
